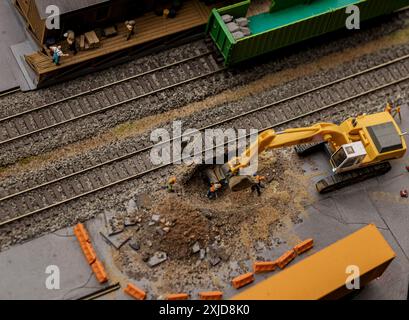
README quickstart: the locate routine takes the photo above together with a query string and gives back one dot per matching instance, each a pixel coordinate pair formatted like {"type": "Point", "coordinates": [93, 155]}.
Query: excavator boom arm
{"type": "Point", "coordinates": [270, 139]}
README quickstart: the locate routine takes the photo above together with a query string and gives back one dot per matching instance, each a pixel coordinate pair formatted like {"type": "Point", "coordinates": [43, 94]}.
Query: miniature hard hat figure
{"type": "Point", "coordinates": [57, 54]}
{"type": "Point", "coordinates": [130, 27]}
{"type": "Point", "coordinates": [258, 184]}
{"type": "Point", "coordinates": [72, 45]}
{"type": "Point", "coordinates": [212, 192]}
{"type": "Point", "coordinates": [170, 184]}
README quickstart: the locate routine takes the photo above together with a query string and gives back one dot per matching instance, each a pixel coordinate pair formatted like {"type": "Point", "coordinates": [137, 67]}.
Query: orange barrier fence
{"type": "Point", "coordinates": [135, 292]}
{"type": "Point", "coordinates": [286, 258]}
{"type": "Point", "coordinates": [211, 295]}
{"type": "Point", "coordinates": [99, 271]}
{"type": "Point", "coordinates": [304, 246]}
{"type": "Point", "coordinates": [81, 233]}
{"type": "Point", "coordinates": [89, 253]}
{"type": "Point", "coordinates": [266, 266]}
{"type": "Point", "coordinates": [177, 296]}
{"type": "Point", "coordinates": [243, 280]}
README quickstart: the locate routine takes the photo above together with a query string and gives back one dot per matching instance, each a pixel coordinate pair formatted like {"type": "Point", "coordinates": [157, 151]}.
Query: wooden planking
{"type": "Point", "coordinates": [148, 27]}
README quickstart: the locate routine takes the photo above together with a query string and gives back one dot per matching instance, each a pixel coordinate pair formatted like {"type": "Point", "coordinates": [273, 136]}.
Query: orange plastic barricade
{"type": "Point", "coordinates": [89, 252]}
{"type": "Point", "coordinates": [285, 259]}
{"type": "Point", "coordinates": [304, 246]}
{"type": "Point", "coordinates": [211, 295]}
{"type": "Point", "coordinates": [81, 233]}
{"type": "Point", "coordinates": [135, 292]}
{"type": "Point", "coordinates": [265, 266]}
{"type": "Point", "coordinates": [243, 280]}
{"type": "Point", "coordinates": [177, 296]}
{"type": "Point", "coordinates": [99, 271]}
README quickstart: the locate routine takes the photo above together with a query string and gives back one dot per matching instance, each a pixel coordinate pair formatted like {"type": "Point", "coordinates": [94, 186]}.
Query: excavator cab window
{"type": "Point", "coordinates": [348, 156]}
{"type": "Point", "coordinates": [338, 157]}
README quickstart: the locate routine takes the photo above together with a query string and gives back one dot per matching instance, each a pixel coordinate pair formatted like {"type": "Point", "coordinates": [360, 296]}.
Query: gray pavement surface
{"type": "Point", "coordinates": [328, 219]}
{"type": "Point", "coordinates": [12, 32]}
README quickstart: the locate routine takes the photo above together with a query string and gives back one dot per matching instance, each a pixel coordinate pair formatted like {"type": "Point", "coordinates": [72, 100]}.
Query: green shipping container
{"type": "Point", "coordinates": [288, 22]}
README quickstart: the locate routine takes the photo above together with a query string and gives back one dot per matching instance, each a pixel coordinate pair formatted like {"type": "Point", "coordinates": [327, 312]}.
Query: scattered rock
{"type": "Point", "coordinates": [237, 35]}
{"type": "Point", "coordinates": [159, 231]}
{"type": "Point", "coordinates": [196, 247]}
{"type": "Point", "coordinates": [151, 223]}
{"type": "Point", "coordinates": [132, 206]}
{"type": "Point", "coordinates": [166, 229]}
{"type": "Point", "coordinates": [246, 31]}
{"type": "Point", "coordinates": [214, 261]}
{"type": "Point", "coordinates": [158, 258]}
{"type": "Point", "coordinates": [233, 27]}
{"type": "Point", "coordinates": [227, 18]}
{"type": "Point", "coordinates": [242, 22]}
{"type": "Point", "coordinates": [134, 245]}
{"type": "Point", "coordinates": [155, 217]}
{"type": "Point", "coordinates": [149, 243]}
{"type": "Point", "coordinates": [162, 221]}
{"type": "Point", "coordinates": [202, 254]}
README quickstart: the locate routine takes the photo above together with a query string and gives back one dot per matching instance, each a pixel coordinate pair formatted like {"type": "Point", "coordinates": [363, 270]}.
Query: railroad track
{"type": "Point", "coordinates": [16, 205]}
{"type": "Point", "coordinates": [9, 92]}
{"type": "Point", "coordinates": [100, 99]}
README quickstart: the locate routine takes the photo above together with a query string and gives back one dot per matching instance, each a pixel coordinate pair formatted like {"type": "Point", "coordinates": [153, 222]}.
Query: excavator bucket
{"type": "Point", "coordinates": [237, 183]}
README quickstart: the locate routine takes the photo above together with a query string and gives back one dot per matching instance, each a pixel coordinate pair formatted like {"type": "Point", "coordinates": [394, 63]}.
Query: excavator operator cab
{"type": "Point", "coordinates": [347, 157]}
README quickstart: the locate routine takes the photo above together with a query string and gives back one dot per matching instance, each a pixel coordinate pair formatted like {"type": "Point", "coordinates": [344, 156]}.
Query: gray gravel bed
{"type": "Point", "coordinates": [178, 97]}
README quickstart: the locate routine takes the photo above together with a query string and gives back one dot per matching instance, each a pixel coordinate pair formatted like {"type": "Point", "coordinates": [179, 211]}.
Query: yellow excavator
{"type": "Point", "coordinates": [359, 148]}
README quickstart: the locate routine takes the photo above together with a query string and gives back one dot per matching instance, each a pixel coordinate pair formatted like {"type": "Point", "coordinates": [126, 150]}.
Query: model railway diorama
{"type": "Point", "coordinates": [124, 164]}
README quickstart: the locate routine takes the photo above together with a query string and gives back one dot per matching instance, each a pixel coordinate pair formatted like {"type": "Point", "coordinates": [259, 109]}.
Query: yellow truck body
{"type": "Point", "coordinates": [323, 275]}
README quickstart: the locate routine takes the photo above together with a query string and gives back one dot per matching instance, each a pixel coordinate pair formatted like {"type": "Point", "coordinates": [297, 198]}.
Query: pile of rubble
{"type": "Point", "coordinates": [239, 28]}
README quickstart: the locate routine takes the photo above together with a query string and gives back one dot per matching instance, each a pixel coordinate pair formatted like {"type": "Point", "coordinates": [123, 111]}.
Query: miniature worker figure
{"type": "Point", "coordinates": [130, 27]}
{"type": "Point", "coordinates": [258, 184]}
{"type": "Point", "coordinates": [70, 35]}
{"type": "Point", "coordinates": [212, 192]}
{"type": "Point", "coordinates": [57, 54]}
{"type": "Point", "coordinates": [171, 183]}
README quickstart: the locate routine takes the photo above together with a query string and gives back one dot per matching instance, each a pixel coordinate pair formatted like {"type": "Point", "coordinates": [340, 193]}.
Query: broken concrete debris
{"type": "Point", "coordinates": [233, 27]}
{"type": "Point", "coordinates": [134, 245]}
{"type": "Point", "coordinates": [159, 231]}
{"type": "Point", "coordinates": [196, 247]}
{"type": "Point", "coordinates": [131, 219]}
{"type": "Point", "coordinates": [116, 240]}
{"type": "Point", "coordinates": [114, 222]}
{"type": "Point", "coordinates": [227, 18]}
{"type": "Point", "coordinates": [239, 28]}
{"type": "Point", "coordinates": [158, 258]}
{"type": "Point", "coordinates": [155, 218]}
{"type": "Point", "coordinates": [237, 35]}
{"type": "Point", "coordinates": [242, 22]}
{"type": "Point", "coordinates": [132, 206]}
{"type": "Point", "coordinates": [202, 254]}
